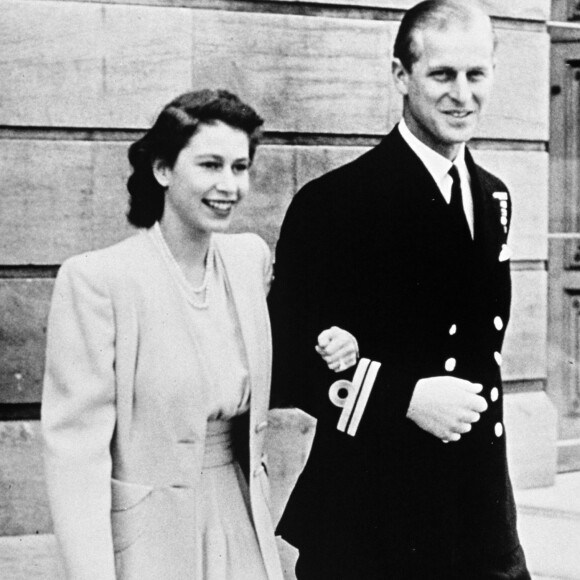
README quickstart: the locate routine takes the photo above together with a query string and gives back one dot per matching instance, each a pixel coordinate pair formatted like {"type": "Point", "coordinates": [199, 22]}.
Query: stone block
{"type": "Point", "coordinates": [24, 504]}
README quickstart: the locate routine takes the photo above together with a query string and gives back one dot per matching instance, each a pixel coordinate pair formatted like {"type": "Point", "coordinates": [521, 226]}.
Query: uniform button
{"type": "Point", "coordinates": [453, 329]}
{"type": "Point", "coordinates": [498, 429]}
{"type": "Point", "coordinates": [261, 426]}
{"type": "Point", "coordinates": [494, 395]}
{"type": "Point", "coordinates": [505, 253]}
{"type": "Point", "coordinates": [497, 357]}
{"type": "Point", "coordinates": [450, 364]}
{"type": "Point", "coordinates": [498, 323]}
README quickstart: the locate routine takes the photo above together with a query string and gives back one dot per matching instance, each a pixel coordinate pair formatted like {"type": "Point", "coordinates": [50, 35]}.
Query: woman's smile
{"type": "Point", "coordinates": [221, 207]}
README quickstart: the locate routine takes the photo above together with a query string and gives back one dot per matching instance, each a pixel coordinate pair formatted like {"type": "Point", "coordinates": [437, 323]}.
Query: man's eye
{"type": "Point", "coordinates": [476, 75]}
{"type": "Point", "coordinates": [441, 75]}
{"type": "Point", "coordinates": [241, 167]}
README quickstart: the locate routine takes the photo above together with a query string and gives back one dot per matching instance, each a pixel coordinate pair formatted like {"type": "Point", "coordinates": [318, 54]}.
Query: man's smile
{"type": "Point", "coordinates": [461, 114]}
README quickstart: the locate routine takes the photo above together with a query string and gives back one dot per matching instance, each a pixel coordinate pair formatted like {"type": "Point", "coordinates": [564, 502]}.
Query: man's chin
{"type": "Point", "coordinates": [457, 137]}
{"type": "Point", "coordinates": [460, 132]}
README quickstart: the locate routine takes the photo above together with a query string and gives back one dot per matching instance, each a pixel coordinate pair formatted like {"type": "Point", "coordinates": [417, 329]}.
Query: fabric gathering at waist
{"type": "Point", "coordinates": [219, 449]}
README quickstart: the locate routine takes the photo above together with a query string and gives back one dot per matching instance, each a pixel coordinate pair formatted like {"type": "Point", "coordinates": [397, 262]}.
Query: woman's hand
{"type": "Point", "coordinates": [338, 348]}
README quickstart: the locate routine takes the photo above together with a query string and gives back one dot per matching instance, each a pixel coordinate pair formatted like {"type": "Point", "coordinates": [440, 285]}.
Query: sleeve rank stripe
{"type": "Point", "coordinates": [363, 397]}
{"type": "Point", "coordinates": [357, 380]}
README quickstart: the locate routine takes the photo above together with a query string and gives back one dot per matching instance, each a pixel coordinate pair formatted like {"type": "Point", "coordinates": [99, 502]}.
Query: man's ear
{"type": "Point", "coordinates": [161, 172]}
{"type": "Point", "coordinates": [400, 76]}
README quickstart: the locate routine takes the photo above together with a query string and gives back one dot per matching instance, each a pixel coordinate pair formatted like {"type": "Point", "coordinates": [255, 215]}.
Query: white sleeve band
{"type": "Point", "coordinates": [358, 392]}
{"type": "Point", "coordinates": [363, 397]}
{"type": "Point", "coordinates": [357, 380]}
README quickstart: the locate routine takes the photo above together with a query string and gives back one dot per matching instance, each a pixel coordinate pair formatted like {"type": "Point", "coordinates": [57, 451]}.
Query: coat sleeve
{"type": "Point", "coordinates": [291, 315]}
{"type": "Point", "coordinates": [78, 419]}
{"type": "Point", "coordinates": [300, 309]}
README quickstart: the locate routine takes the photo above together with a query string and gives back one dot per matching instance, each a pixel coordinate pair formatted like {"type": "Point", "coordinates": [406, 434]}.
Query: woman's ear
{"type": "Point", "coordinates": [161, 172]}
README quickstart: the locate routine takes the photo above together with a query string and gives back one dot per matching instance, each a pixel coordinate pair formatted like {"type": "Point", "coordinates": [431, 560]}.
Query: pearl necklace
{"type": "Point", "coordinates": [197, 297]}
{"type": "Point", "coordinates": [203, 290]}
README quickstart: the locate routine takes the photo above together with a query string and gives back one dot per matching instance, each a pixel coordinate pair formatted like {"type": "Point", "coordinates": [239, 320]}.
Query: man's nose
{"type": "Point", "coordinates": [461, 89]}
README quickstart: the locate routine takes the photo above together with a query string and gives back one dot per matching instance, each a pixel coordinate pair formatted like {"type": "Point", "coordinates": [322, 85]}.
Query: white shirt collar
{"type": "Point", "coordinates": [437, 165]}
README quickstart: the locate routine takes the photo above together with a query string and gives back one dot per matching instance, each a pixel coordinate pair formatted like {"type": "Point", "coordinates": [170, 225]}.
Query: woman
{"type": "Point", "coordinates": [158, 369]}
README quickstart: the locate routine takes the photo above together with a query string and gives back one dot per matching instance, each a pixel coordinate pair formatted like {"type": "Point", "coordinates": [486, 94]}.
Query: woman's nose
{"type": "Point", "coordinates": [227, 181]}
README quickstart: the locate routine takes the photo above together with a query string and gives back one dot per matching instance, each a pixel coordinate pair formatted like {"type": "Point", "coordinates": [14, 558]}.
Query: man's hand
{"type": "Point", "coordinates": [338, 348]}
{"type": "Point", "coordinates": [446, 406]}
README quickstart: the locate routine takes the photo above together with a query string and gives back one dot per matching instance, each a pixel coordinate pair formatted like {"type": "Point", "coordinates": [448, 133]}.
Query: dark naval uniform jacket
{"type": "Point", "coordinates": [372, 248]}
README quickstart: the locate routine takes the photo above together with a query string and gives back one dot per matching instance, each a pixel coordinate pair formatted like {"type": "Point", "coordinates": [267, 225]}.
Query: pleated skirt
{"type": "Point", "coordinates": [227, 547]}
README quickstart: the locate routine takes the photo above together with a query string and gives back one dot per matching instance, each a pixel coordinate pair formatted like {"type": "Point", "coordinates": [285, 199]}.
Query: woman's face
{"type": "Point", "coordinates": [209, 178]}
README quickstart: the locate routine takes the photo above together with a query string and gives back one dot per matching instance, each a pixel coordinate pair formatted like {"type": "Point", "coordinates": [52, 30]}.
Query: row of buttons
{"type": "Point", "coordinates": [494, 394]}
{"type": "Point", "coordinates": [497, 322]}
{"type": "Point", "coordinates": [451, 363]}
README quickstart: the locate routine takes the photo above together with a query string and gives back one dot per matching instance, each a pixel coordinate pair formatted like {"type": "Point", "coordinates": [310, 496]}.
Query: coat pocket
{"type": "Point", "coordinates": [129, 506]}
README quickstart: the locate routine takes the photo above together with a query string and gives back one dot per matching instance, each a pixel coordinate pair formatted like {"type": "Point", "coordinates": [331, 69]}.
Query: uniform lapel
{"type": "Point", "coordinates": [487, 227]}
{"type": "Point", "coordinates": [427, 217]}
{"type": "Point", "coordinates": [412, 178]}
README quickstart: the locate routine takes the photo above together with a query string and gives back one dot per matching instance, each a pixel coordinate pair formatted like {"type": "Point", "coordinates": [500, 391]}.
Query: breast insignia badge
{"type": "Point", "coordinates": [502, 198]}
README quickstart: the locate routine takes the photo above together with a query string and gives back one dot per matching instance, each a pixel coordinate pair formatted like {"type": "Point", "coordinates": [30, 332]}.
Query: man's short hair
{"type": "Point", "coordinates": [436, 14]}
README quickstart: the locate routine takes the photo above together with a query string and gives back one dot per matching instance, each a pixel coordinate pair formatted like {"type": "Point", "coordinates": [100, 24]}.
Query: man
{"type": "Point", "coordinates": [405, 248]}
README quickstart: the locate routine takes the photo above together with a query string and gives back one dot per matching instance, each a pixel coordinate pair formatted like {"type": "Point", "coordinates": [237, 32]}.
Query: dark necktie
{"type": "Point", "coordinates": [456, 204]}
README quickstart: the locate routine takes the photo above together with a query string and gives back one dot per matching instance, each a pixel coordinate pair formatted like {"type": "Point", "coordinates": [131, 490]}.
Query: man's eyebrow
{"type": "Point", "coordinates": [441, 68]}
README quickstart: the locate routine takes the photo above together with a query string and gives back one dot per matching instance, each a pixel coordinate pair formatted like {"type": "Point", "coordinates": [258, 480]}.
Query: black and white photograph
{"type": "Point", "coordinates": [289, 290]}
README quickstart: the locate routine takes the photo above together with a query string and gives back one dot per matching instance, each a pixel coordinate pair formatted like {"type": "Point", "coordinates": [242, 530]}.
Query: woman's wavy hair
{"type": "Point", "coordinates": [175, 126]}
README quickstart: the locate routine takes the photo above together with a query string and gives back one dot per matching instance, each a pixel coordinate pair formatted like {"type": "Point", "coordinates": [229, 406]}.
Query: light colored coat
{"type": "Point", "coordinates": [124, 427]}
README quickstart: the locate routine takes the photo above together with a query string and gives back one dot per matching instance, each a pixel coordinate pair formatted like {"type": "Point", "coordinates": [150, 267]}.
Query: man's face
{"type": "Point", "coordinates": [448, 85]}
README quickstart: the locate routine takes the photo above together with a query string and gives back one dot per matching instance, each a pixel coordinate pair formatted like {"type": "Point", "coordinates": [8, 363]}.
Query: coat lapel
{"type": "Point", "coordinates": [252, 323]}
{"type": "Point", "coordinates": [249, 301]}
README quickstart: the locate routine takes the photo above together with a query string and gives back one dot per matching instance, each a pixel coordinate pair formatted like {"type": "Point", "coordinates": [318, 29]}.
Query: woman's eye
{"type": "Point", "coordinates": [240, 168]}
{"type": "Point", "coordinates": [210, 165]}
